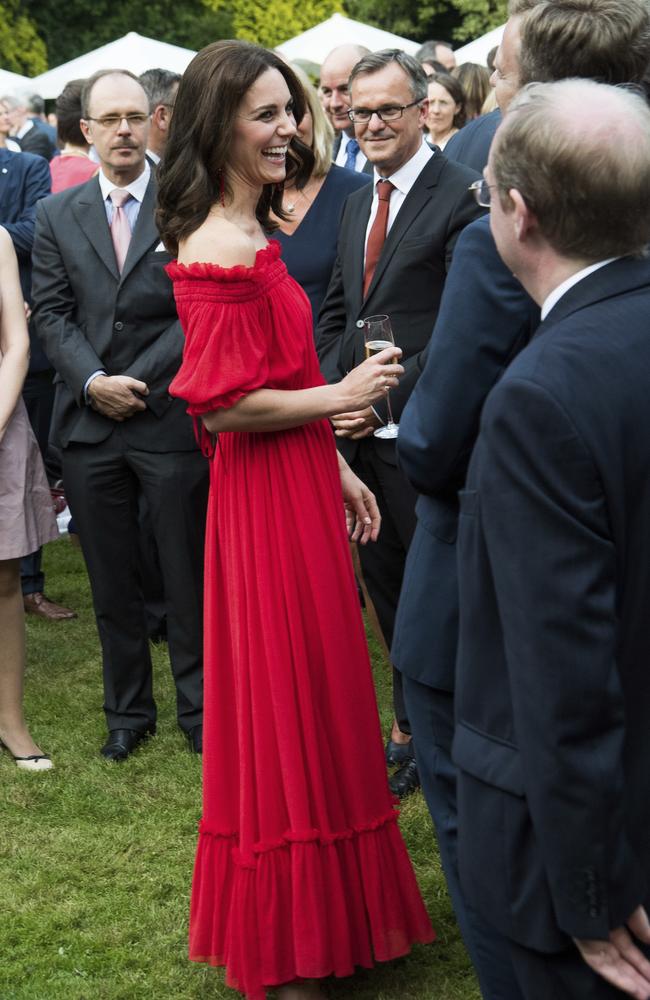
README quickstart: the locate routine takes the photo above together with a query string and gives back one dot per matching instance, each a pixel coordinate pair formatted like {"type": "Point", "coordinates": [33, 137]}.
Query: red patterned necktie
{"type": "Point", "coordinates": [120, 228]}
{"type": "Point", "coordinates": [377, 234]}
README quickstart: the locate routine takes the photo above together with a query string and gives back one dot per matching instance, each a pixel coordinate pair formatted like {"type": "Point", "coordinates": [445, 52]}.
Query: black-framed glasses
{"type": "Point", "coordinates": [481, 191]}
{"type": "Point", "coordinates": [114, 121]}
{"type": "Point", "coordinates": [389, 113]}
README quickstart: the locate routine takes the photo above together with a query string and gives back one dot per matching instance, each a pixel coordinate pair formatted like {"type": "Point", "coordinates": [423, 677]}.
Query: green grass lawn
{"type": "Point", "coordinates": [96, 859]}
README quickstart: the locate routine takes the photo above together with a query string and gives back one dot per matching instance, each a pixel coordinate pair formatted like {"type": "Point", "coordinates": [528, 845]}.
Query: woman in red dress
{"type": "Point", "coordinates": [301, 871]}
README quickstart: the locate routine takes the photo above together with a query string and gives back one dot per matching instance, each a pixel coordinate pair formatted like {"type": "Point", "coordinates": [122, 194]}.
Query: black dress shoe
{"type": "Point", "coordinates": [406, 780]}
{"type": "Point", "coordinates": [398, 753]}
{"type": "Point", "coordinates": [122, 742]}
{"type": "Point", "coordinates": [194, 737]}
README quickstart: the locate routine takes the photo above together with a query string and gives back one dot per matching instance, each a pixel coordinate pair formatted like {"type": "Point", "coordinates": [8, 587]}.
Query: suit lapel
{"type": "Point", "coordinates": [417, 198]}
{"type": "Point", "coordinates": [90, 213]}
{"type": "Point", "coordinates": [145, 235]}
{"type": "Point", "coordinates": [358, 225]}
{"type": "Point", "coordinates": [616, 278]}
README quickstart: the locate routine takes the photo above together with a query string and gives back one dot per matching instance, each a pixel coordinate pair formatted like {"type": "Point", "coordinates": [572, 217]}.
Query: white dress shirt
{"type": "Point", "coordinates": [554, 297]}
{"type": "Point", "coordinates": [360, 160]}
{"type": "Point", "coordinates": [131, 209]}
{"type": "Point", "coordinates": [403, 180]}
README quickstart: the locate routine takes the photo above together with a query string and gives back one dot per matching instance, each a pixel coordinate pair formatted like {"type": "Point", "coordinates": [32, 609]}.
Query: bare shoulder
{"type": "Point", "coordinates": [218, 241]}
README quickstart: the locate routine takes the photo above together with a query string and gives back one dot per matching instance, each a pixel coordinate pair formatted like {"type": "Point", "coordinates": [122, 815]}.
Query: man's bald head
{"type": "Point", "coordinates": [334, 76]}
{"type": "Point", "coordinates": [578, 153]}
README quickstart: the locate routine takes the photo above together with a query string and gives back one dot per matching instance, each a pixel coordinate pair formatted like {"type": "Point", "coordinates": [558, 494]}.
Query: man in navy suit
{"type": "Point", "coordinates": [485, 319]}
{"type": "Point", "coordinates": [553, 699]}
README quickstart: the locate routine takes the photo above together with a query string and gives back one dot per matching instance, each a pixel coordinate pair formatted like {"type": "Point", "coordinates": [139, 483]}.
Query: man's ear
{"type": "Point", "coordinates": [524, 220]}
{"type": "Point", "coordinates": [85, 131]}
{"type": "Point", "coordinates": [161, 117]}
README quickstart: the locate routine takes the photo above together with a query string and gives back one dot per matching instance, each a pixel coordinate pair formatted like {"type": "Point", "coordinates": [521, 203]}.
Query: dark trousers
{"type": "Point", "coordinates": [383, 561]}
{"type": "Point", "coordinates": [431, 714]}
{"type": "Point", "coordinates": [563, 976]}
{"type": "Point", "coordinates": [38, 396]}
{"type": "Point", "coordinates": [103, 482]}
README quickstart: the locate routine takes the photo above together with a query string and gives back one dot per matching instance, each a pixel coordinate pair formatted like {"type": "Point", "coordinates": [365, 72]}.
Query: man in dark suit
{"type": "Point", "coordinates": [429, 204]}
{"type": "Point", "coordinates": [553, 697]}
{"type": "Point", "coordinates": [105, 312]}
{"type": "Point", "coordinates": [485, 319]}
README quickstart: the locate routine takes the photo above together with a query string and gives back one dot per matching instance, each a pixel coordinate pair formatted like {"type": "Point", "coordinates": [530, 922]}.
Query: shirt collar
{"type": "Point", "coordinates": [136, 188]}
{"type": "Point", "coordinates": [24, 129]}
{"type": "Point", "coordinates": [404, 178]}
{"type": "Point", "coordinates": [554, 297]}
{"type": "Point", "coordinates": [154, 157]}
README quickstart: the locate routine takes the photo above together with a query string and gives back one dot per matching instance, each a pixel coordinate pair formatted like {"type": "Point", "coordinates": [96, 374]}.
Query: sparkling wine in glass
{"type": "Point", "coordinates": [378, 335]}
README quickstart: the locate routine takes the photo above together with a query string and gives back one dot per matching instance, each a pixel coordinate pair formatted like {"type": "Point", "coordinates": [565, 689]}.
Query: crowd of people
{"type": "Point", "coordinates": [189, 283]}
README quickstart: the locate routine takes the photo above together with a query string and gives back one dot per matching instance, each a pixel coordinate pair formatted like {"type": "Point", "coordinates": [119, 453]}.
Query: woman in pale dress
{"type": "Point", "coordinates": [26, 517]}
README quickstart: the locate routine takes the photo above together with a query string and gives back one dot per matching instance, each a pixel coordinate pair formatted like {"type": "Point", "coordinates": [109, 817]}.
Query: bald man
{"type": "Point", "coordinates": [335, 98]}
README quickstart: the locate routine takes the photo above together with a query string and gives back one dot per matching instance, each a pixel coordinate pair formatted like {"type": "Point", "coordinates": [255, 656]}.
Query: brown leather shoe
{"type": "Point", "coordinates": [39, 604]}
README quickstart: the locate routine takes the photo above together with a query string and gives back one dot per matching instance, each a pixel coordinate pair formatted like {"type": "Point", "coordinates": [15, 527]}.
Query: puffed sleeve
{"type": "Point", "coordinates": [226, 352]}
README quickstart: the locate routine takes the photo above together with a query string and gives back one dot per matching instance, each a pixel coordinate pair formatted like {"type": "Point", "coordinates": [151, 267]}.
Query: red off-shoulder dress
{"type": "Point", "coordinates": [301, 871]}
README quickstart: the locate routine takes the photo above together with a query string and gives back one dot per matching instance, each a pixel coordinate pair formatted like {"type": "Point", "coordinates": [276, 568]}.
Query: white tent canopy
{"type": "Point", "coordinates": [11, 83]}
{"type": "Point", "coordinates": [315, 44]}
{"type": "Point", "coordinates": [477, 51]}
{"type": "Point", "coordinates": [132, 51]}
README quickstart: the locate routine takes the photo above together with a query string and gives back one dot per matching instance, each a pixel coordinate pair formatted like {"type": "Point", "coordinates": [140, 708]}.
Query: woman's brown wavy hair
{"type": "Point", "coordinates": [193, 171]}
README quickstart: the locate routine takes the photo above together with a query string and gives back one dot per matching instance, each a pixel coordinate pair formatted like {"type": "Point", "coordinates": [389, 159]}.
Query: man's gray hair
{"type": "Point", "coordinates": [160, 86]}
{"type": "Point", "coordinates": [378, 60]}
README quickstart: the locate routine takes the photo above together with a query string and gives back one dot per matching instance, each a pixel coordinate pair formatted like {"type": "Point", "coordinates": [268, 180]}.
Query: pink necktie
{"type": "Point", "coordinates": [120, 228]}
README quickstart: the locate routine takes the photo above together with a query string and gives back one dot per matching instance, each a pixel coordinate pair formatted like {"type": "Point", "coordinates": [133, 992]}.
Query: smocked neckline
{"type": "Point", "coordinates": [265, 257]}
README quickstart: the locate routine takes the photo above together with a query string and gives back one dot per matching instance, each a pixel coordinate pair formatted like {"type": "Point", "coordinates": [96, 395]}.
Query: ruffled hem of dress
{"type": "Point", "coordinates": [264, 258]}
{"type": "Point", "coordinates": [305, 906]}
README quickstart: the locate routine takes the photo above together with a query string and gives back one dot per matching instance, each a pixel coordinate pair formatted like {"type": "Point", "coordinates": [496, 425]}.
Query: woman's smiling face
{"type": "Point", "coordinates": [263, 128]}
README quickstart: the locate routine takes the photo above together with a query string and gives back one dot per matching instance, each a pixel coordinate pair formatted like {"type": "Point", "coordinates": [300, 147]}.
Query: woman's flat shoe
{"type": "Point", "coordinates": [35, 762]}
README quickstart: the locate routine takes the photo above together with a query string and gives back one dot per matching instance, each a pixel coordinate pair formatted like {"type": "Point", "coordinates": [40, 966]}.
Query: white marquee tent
{"type": "Point", "coordinates": [313, 45]}
{"type": "Point", "coordinates": [132, 51]}
{"type": "Point", "coordinates": [10, 83]}
{"type": "Point", "coordinates": [477, 51]}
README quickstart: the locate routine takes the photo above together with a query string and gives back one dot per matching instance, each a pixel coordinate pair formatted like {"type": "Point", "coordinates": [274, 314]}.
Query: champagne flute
{"type": "Point", "coordinates": [378, 335]}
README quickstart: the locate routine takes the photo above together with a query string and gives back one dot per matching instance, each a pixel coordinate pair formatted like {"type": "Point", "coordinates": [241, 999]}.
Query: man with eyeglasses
{"type": "Point", "coordinates": [395, 244]}
{"type": "Point", "coordinates": [105, 313]}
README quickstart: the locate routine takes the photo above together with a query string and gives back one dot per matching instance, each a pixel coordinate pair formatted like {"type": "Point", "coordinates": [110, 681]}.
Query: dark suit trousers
{"type": "Point", "coordinates": [38, 396]}
{"type": "Point", "coordinates": [431, 714]}
{"type": "Point", "coordinates": [103, 482]}
{"type": "Point", "coordinates": [563, 976]}
{"type": "Point", "coordinates": [383, 561]}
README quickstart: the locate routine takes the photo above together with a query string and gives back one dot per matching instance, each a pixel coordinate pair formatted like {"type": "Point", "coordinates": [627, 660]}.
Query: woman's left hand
{"type": "Point", "coordinates": [361, 510]}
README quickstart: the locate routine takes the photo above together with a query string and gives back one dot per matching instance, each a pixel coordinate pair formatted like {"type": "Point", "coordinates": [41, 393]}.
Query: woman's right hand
{"type": "Point", "coordinates": [372, 379]}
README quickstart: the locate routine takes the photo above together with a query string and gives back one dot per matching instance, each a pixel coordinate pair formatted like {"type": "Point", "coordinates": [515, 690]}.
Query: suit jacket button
{"type": "Point", "coordinates": [360, 324]}
{"type": "Point", "coordinates": [119, 325]}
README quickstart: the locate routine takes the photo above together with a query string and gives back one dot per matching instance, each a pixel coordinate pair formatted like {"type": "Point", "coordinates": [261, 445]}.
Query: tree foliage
{"type": "Point", "coordinates": [70, 30]}
{"type": "Point", "coordinates": [479, 16]}
{"type": "Point", "coordinates": [30, 30]}
{"type": "Point", "coordinates": [270, 24]}
{"type": "Point", "coordinates": [22, 50]}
